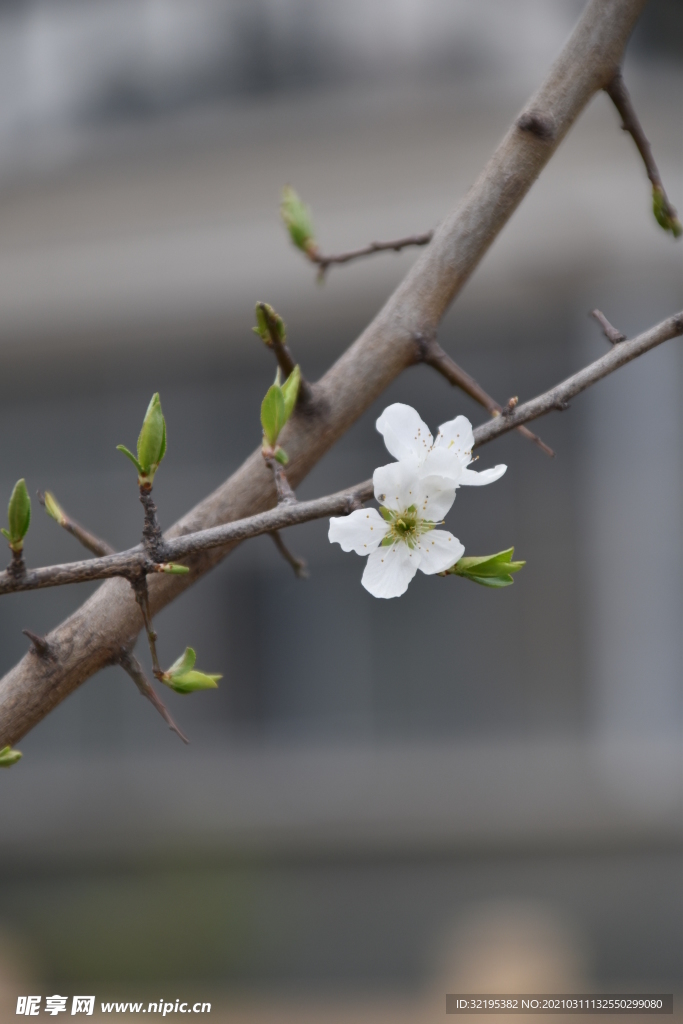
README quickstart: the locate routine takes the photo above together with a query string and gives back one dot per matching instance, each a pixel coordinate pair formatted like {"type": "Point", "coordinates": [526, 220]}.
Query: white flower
{"type": "Point", "coordinates": [415, 494]}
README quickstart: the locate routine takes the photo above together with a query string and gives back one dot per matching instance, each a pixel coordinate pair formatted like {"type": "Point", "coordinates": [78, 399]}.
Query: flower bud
{"type": "Point", "coordinates": [19, 516]}
{"type": "Point", "coordinates": [151, 443]}
{"type": "Point", "coordinates": [297, 218]}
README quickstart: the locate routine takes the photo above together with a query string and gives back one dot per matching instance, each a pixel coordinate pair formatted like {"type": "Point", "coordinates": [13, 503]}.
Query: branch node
{"type": "Point", "coordinates": [152, 537]}
{"type": "Point", "coordinates": [40, 645]}
{"type": "Point", "coordinates": [537, 124]}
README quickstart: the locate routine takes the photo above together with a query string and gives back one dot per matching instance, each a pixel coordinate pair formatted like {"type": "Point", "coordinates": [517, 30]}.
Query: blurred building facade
{"type": "Point", "coordinates": [369, 774]}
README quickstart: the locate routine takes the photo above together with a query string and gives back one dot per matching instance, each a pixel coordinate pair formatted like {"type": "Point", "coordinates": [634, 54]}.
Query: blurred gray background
{"type": "Point", "coordinates": [375, 784]}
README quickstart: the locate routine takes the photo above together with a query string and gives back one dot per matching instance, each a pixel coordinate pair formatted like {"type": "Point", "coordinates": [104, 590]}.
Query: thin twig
{"type": "Point", "coordinates": [136, 672]}
{"type": "Point", "coordinates": [432, 354]}
{"type": "Point", "coordinates": [85, 537]}
{"type": "Point", "coordinates": [613, 335]}
{"type": "Point", "coordinates": [298, 564]}
{"type": "Point", "coordinates": [142, 597]}
{"type": "Point", "coordinates": [134, 563]}
{"type": "Point", "coordinates": [324, 262]}
{"type": "Point", "coordinates": [619, 94]}
{"type": "Point", "coordinates": [285, 494]}
{"type": "Point", "coordinates": [284, 357]}
{"type": "Point", "coordinates": [152, 537]}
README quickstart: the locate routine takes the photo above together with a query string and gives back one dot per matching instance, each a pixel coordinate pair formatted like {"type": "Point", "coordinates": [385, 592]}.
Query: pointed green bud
{"type": "Point", "coordinates": [151, 442]}
{"type": "Point", "coordinates": [273, 414]}
{"type": "Point", "coordinates": [281, 456]}
{"type": "Point", "coordinates": [665, 215]}
{"type": "Point", "coordinates": [182, 677]}
{"type": "Point", "coordinates": [290, 391]}
{"type": "Point", "coordinates": [8, 757]}
{"type": "Point", "coordinates": [175, 570]}
{"type": "Point", "coordinates": [297, 218]}
{"type": "Point", "coordinates": [19, 516]}
{"type": "Point", "coordinates": [488, 570]}
{"type": "Point", "coordinates": [268, 322]}
{"type": "Point", "coordinates": [53, 508]}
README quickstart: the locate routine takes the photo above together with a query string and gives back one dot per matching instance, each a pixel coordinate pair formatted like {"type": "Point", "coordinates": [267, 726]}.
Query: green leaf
{"type": "Point", "coordinates": [152, 439]}
{"type": "Point", "coordinates": [273, 414]}
{"type": "Point", "coordinates": [184, 663]}
{"type": "Point", "coordinates": [188, 682]}
{"type": "Point", "coordinates": [290, 391]}
{"type": "Point", "coordinates": [53, 508]}
{"type": "Point", "coordinates": [122, 448]}
{"type": "Point", "coordinates": [281, 456]}
{"type": "Point", "coordinates": [8, 757]}
{"type": "Point", "coordinates": [5, 532]}
{"type": "Point", "coordinates": [297, 218]}
{"type": "Point", "coordinates": [19, 515]}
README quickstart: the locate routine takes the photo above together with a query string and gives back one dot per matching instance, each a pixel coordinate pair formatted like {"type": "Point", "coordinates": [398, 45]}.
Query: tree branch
{"type": "Point", "coordinates": [611, 333]}
{"type": "Point", "coordinates": [619, 94]}
{"type": "Point", "coordinates": [83, 536]}
{"type": "Point", "coordinates": [298, 564]}
{"type": "Point", "coordinates": [93, 636]}
{"type": "Point", "coordinates": [136, 672]}
{"type": "Point", "coordinates": [134, 564]}
{"type": "Point", "coordinates": [324, 262]}
{"type": "Point", "coordinates": [432, 354]}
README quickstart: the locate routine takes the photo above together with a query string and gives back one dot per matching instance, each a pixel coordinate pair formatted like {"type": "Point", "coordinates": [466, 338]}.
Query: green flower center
{"type": "Point", "coordinates": [405, 526]}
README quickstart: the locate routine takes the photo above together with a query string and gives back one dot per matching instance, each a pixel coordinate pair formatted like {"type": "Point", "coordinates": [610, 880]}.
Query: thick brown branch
{"type": "Point", "coordinates": [136, 672]}
{"type": "Point", "coordinates": [298, 564]}
{"type": "Point", "coordinates": [432, 354]}
{"type": "Point", "coordinates": [611, 333]}
{"type": "Point", "coordinates": [367, 250]}
{"type": "Point", "coordinates": [619, 94]}
{"type": "Point", "coordinates": [83, 536]}
{"type": "Point", "coordinates": [93, 636]}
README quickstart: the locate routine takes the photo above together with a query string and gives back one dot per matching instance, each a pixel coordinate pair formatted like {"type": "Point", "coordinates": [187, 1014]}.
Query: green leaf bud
{"type": "Point", "coordinates": [273, 414]}
{"type": "Point", "coordinates": [281, 456]}
{"type": "Point", "coordinates": [53, 508]}
{"type": "Point", "coordinates": [8, 757]}
{"type": "Point", "coordinates": [182, 677]}
{"type": "Point", "coordinates": [268, 322]}
{"type": "Point", "coordinates": [175, 570]}
{"type": "Point", "coordinates": [665, 215]}
{"type": "Point", "coordinates": [488, 570]}
{"type": "Point", "coordinates": [290, 391]}
{"type": "Point", "coordinates": [151, 442]}
{"type": "Point", "coordinates": [19, 516]}
{"type": "Point", "coordinates": [297, 218]}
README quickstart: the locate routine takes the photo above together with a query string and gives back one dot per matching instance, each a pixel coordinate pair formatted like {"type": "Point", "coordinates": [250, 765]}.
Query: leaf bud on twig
{"type": "Point", "coordinates": [19, 516]}
{"type": "Point", "coordinates": [8, 757]}
{"type": "Point", "coordinates": [151, 443]}
{"type": "Point", "coordinates": [183, 678]}
{"type": "Point", "coordinates": [298, 221]}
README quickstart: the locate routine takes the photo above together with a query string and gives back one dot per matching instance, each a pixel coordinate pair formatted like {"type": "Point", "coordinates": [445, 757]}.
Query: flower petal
{"type": "Point", "coordinates": [396, 485]}
{"type": "Point", "coordinates": [406, 435]}
{"type": "Point", "coordinates": [439, 550]}
{"type": "Point", "coordinates": [456, 436]}
{"type": "Point", "coordinates": [362, 531]}
{"type": "Point", "coordinates": [487, 476]}
{"type": "Point", "coordinates": [388, 571]}
{"type": "Point", "coordinates": [434, 496]}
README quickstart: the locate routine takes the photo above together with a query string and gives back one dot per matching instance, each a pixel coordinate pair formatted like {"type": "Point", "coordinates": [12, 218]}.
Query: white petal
{"type": "Point", "coordinates": [487, 476]}
{"type": "Point", "coordinates": [362, 531]}
{"type": "Point", "coordinates": [456, 436]}
{"type": "Point", "coordinates": [406, 435]}
{"type": "Point", "coordinates": [388, 571]}
{"type": "Point", "coordinates": [440, 550]}
{"type": "Point", "coordinates": [434, 496]}
{"type": "Point", "coordinates": [396, 485]}
{"type": "Point", "coordinates": [442, 462]}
